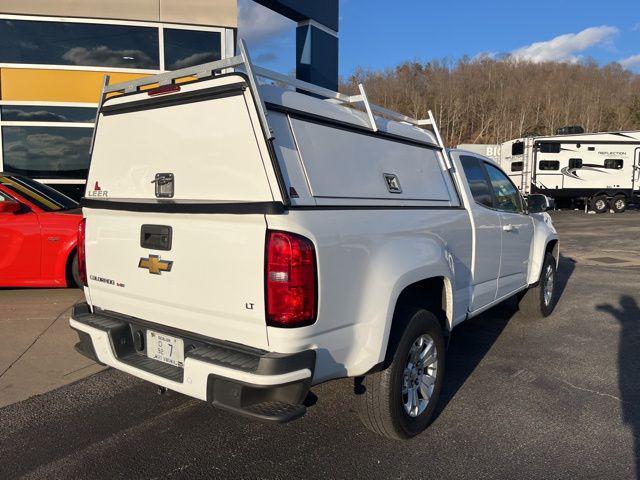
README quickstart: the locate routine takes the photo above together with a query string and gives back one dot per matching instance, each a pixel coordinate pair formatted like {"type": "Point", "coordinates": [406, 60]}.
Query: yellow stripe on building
{"type": "Point", "coordinates": [42, 85]}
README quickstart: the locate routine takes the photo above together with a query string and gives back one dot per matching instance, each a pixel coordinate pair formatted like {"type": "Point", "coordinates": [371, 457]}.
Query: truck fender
{"type": "Point", "coordinates": [544, 237]}
{"type": "Point", "coordinates": [397, 267]}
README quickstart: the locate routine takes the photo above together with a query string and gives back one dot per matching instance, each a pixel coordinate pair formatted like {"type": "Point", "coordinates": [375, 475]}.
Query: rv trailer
{"type": "Point", "coordinates": [602, 169]}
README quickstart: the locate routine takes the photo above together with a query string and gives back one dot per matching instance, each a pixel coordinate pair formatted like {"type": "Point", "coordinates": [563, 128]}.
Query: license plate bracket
{"type": "Point", "coordinates": [165, 348]}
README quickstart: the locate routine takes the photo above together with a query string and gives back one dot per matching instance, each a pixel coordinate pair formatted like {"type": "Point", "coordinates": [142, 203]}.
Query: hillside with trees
{"type": "Point", "coordinates": [491, 101]}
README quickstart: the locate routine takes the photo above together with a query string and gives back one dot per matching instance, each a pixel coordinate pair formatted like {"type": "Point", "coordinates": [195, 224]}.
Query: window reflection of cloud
{"type": "Point", "coordinates": [37, 116]}
{"type": "Point", "coordinates": [103, 55]}
{"type": "Point", "coordinates": [28, 45]}
{"type": "Point", "coordinates": [194, 59]}
{"type": "Point", "coordinates": [43, 149]}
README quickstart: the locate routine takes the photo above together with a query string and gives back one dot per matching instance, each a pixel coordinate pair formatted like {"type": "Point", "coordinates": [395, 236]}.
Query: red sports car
{"type": "Point", "coordinates": [38, 235]}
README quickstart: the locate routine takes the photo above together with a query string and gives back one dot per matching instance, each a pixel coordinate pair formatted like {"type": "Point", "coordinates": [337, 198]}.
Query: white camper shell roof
{"type": "Point", "coordinates": [391, 160]}
{"type": "Point", "coordinates": [332, 107]}
{"type": "Point", "coordinates": [297, 102]}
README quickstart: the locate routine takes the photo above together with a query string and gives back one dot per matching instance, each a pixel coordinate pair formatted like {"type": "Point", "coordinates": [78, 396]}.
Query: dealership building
{"type": "Point", "coordinates": [53, 58]}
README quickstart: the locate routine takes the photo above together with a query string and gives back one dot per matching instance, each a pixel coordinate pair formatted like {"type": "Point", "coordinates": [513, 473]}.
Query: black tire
{"type": "Point", "coordinates": [533, 303]}
{"type": "Point", "coordinates": [75, 275]}
{"type": "Point", "coordinates": [619, 203]}
{"type": "Point", "coordinates": [599, 204]}
{"type": "Point", "coordinates": [381, 404]}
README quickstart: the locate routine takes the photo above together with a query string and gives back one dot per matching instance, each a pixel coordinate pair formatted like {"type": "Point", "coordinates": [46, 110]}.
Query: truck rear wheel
{"type": "Point", "coordinates": [599, 204]}
{"type": "Point", "coordinates": [399, 402]}
{"type": "Point", "coordinates": [539, 301]}
{"type": "Point", "coordinates": [619, 203]}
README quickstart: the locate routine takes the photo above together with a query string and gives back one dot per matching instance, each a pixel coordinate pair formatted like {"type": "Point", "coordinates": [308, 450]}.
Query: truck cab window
{"type": "Point", "coordinates": [478, 183]}
{"type": "Point", "coordinates": [517, 166]}
{"type": "Point", "coordinates": [507, 195]}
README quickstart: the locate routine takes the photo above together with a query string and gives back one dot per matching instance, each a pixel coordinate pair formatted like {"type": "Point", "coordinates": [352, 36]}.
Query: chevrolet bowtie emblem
{"type": "Point", "coordinates": [155, 265]}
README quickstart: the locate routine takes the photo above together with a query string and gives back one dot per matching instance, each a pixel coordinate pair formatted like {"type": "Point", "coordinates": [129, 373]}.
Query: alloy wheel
{"type": "Point", "coordinates": [420, 375]}
{"type": "Point", "coordinates": [548, 285]}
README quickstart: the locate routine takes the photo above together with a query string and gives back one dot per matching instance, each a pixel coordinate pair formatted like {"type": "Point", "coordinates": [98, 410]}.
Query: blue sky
{"type": "Point", "coordinates": [374, 35]}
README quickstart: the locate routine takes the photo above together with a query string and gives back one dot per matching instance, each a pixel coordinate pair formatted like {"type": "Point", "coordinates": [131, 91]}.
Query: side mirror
{"type": "Point", "coordinates": [538, 203]}
{"type": "Point", "coordinates": [9, 206]}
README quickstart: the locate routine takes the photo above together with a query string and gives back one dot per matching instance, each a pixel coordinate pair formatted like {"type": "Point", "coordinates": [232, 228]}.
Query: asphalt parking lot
{"type": "Point", "coordinates": [555, 398]}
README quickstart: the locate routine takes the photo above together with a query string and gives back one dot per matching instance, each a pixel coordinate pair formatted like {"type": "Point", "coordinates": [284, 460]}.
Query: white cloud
{"type": "Point", "coordinates": [567, 47]}
{"type": "Point", "coordinates": [484, 56]}
{"type": "Point", "coordinates": [631, 62]}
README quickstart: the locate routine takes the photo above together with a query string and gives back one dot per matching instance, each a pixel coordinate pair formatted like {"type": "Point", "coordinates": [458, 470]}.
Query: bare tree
{"type": "Point", "coordinates": [494, 100]}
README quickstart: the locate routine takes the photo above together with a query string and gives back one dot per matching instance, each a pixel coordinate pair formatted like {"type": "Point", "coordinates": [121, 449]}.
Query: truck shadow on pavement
{"type": "Point", "coordinates": [628, 315]}
{"type": "Point", "coordinates": [471, 341]}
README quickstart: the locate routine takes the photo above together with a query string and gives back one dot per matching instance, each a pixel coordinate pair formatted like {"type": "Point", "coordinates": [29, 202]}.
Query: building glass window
{"type": "Point", "coordinates": [613, 163]}
{"type": "Point", "coordinates": [185, 48]}
{"type": "Point", "coordinates": [46, 152]}
{"type": "Point", "coordinates": [81, 44]}
{"type": "Point", "coordinates": [37, 113]}
{"type": "Point", "coordinates": [549, 165]}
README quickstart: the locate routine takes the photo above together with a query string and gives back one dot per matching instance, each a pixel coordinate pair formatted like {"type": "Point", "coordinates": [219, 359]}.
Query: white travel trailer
{"type": "Point", "coordinates": [602, 169]}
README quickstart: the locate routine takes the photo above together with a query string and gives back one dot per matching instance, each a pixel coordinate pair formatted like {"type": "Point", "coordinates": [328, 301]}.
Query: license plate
{"type": "Point", "coordinates": [165, 348]}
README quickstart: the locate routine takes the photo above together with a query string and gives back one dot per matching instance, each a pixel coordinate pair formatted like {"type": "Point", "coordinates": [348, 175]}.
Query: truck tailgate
{"type": "Point", "coordinates": [213, 286]}
{"type": "Point", "coordinates": [175, 226]}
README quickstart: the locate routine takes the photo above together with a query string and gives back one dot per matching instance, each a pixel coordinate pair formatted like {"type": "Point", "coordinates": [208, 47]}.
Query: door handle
{"type": "Point", "coordinates": [508, 228]}
{"type": "Point", "coordinates": [156, 237]}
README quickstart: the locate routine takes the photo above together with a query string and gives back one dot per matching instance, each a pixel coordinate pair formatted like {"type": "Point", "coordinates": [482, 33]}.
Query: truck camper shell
{"type": "Point", "coordinates": [308, 150]}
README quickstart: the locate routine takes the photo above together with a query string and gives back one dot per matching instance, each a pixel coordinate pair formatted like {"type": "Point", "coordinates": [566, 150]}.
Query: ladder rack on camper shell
{"type": "Point", "coordinates": [253, 72]}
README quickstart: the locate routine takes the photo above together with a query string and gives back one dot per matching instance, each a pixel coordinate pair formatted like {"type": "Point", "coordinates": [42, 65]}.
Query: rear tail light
{"type": "Point", "coordinates": [82, 259]}
{"type": "Point", "coordinates": [290, 279]}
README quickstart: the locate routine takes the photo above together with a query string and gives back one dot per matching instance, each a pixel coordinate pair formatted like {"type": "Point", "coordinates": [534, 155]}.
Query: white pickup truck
{"type": "Point", "coordinates": [244, 242]}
